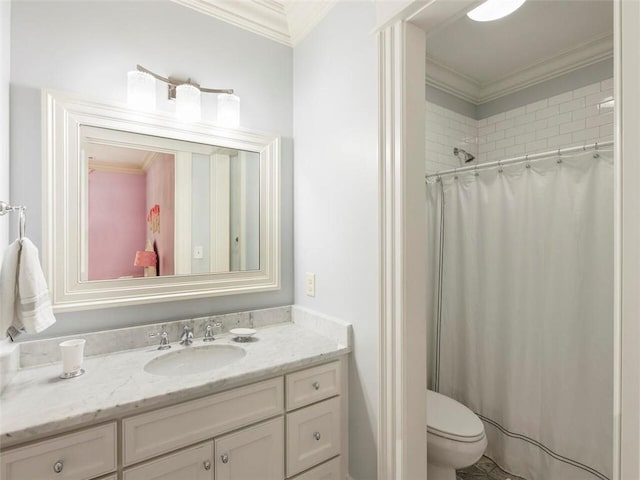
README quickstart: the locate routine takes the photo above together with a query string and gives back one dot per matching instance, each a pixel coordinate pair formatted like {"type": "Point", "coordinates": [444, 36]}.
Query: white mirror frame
{"type": "Point", "coordinates": [63, 190]}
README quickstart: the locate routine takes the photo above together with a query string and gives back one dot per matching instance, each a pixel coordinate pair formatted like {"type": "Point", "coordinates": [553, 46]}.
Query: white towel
{"type": "Point", "coordinates": [23, 290]}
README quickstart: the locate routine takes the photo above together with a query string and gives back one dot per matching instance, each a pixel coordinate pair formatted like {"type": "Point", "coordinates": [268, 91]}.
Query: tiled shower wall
{"type": "Point", "coordinates": [573, 118]}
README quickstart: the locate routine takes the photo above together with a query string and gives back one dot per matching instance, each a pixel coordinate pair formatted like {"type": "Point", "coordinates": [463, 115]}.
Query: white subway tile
{"type": "Point", "coordinates": [572, 126]}
{"type": "Point", "coordinates": [600, 120]}
{"type": "Point", "coordinates": [559, 141]}
{"type": "Point", "coordinates": [507, 142]}
{"type": "Point", "coordinates": [512, 132]}
{"type": "Point", "coordinates": [535, 146]}
{"type": "Point", "coordinates": [532, 107]}
{"type": "Point", "coordinates": [487, 147]}
{"type": "Point", "coordinates": [514, 151]}
{"type": "Point", "coordinates": [496, 155]}
{"type": "Point", "coordinates": [586, 134]}
{"type": "Point", "coordinates": [547, 112]}
{"type": "Point", "coordinates": [606, 130]}
{"type": "Point", "coordinates": [588, 90]}
{"type": "Point", "coordinates": [526, 138]}
{"type": "Point", "coordinates": [482, 123]}
{"type": "Point", "coordinates": [525, 119]}
{"type": "Point", "coordinates": [563, 97]}
{"type": "Point", "coordinates": [487, 130]}
{"type": "Point", "coordinates": [539, 125]}
{"type": "Point", "coordinates": [482, 157]}
{"type": "Point", "coordinates": [495, 118]}
{"type": "Point", "coordinates": [547, 132]}
{"type": "Point", "coordinates": [504, 124]}
{"type": "Point", "coordinates": [586, 112]}
{"type": "Point", "coordinates": [558, 119]}
{"type": "Point", "coordinates": [572, 105]}
{"type": "Point", "coordinates": [606, 84]}
{"type": "Point", "coordinates": [599, 97]}
{"type": "Point", "coordinates": [516, 112]}
{"type": "Point", "coordinates": [497, 135]}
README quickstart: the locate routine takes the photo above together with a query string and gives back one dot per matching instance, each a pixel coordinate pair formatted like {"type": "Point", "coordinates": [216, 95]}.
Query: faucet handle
{"type": "Point", "coordinates": [208, 333]}
{"type": "Point", "coordinates": [164, 339]}
{"type": "Point", "coordinates": [187, 336]}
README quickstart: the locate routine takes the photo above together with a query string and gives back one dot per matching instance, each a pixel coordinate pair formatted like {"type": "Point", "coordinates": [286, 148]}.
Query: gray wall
{"type": "Point", "coordinates": [87, 48]}
{"type": "Point", "coordinates": [580, 78]}
{"type": "Point", "coordinates": [5, 64]}
{"type": "Point", "coordinates": [336, 199]}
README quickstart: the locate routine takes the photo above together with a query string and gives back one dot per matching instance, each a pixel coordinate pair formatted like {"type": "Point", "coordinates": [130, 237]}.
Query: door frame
{"type": "Point", "coordinates": [402, 355]}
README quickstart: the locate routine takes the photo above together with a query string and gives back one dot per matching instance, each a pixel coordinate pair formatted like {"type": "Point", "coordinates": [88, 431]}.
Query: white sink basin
{"type": "Point", "coordinates": [194, 360]}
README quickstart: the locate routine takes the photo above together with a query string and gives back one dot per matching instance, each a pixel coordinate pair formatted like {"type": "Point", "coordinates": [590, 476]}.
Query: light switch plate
{"type": "Point", "coordinates": [198, 252]}
{"type": "Point", "coordinates": [310, 284]}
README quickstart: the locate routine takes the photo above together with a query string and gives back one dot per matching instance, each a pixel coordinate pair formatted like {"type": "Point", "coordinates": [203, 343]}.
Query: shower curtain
{"type": "Point", "coordinates": [521, 328]}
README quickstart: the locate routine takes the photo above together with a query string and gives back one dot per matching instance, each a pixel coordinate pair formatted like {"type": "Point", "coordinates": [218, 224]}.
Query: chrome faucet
{"type": "Point", "coordinates": [208, 333]}
{"type": "Point", "coordinates": [164, 340]}
{"type": "Point", "coordinates": [186, 338]}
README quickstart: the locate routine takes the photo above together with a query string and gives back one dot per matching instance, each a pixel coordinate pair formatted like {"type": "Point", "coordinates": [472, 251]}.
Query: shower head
{"type": "Point", "coordinates": [465, 157]}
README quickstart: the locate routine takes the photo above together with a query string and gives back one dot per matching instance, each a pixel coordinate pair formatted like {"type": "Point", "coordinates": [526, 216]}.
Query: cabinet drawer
{"type": "Point", "coordinates": [327, 471]}
{"type": "Point", "coordinates": [313, 435]}
{"type": "Point", "coordinates": [80, 456]}
{"type": "Point", "coordinates": [313, 385]}
{"type": "Point", "coordinates": [195, 463]}
{"type": "Point", "coordinates": [169, 428]}
{"type": "Point", "coordinates": [254, 453]}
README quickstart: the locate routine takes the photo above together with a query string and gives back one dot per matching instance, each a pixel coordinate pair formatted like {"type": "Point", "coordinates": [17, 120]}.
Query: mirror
{"type": "Point", "coordinates": [143, 208]}
{"type": "Point", "coordinates": [182, 207]}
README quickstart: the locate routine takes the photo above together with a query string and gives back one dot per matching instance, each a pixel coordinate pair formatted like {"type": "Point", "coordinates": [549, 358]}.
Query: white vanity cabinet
{"type": "Point", "coordinates": [195, 463]}
{"type": "Point", "coordinates": [252, 453]}
{"type": "Point", "coordinates": [292, 427]}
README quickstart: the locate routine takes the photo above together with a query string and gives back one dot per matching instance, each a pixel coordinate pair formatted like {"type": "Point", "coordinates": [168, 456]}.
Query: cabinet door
{"type": "Point", "coordinates": [255, 453]}
{"type": "Point", "coordinates": [193, 463]}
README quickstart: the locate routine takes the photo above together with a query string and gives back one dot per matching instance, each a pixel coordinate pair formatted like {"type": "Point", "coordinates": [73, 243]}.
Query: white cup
{"type": "Point", "coordinates": [72, 352]}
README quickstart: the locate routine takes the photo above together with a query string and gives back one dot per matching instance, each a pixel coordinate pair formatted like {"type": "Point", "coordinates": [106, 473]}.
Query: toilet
{"type": "Point", "coordinates": [455, 437]}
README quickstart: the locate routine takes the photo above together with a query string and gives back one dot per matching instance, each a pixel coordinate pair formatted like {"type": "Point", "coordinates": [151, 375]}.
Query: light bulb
{"type": "Point", "coordinates": [188, 103]}
{"type": "Point", "coordinates": [228, 110]}
{"type": "Point", "coordinates": [141, 90]}
{"type": "Point", "coordinates": [494, 9]}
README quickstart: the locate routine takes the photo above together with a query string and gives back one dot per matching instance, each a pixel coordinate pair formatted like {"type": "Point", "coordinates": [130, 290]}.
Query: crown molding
{"type": "Point", "coordinates": [283, 21]}
{"type": "Point", "coordinates": [469, 89]}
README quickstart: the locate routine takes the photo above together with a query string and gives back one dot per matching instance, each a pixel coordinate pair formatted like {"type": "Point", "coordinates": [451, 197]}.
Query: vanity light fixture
{"type": "Point", "coordinates": [141, 89]}
{"type": "Point", "coordinates": [494, 10]}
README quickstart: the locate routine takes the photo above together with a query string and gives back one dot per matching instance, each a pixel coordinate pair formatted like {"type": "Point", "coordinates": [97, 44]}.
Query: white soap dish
{"type": "Point", "coordinates": [243, 334]}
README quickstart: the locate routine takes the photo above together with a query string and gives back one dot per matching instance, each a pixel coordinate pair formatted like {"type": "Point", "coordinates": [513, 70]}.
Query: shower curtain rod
{"type": "Point", "coordinates": [523, 158]}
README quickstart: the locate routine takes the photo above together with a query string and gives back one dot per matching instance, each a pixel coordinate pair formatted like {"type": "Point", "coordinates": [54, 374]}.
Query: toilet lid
{"type": "Point", "coordinates": [450, 419]}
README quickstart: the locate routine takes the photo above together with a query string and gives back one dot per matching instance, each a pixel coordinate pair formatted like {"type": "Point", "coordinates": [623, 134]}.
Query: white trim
{"type": "Point", "coordinates": [284, 21]}
{"type": "Point", "coordinates": [219, 254]}
{"type": "Point", "coordinates": [62, 115]}
{"type": "Point", "coordinates": [402, 331]}
{"type": "Point", "coordinates": [627, 231]}
{"type": "Point", "coordinates": [467, 88]}
{"type": "Point", "coordinates": [182, 231]}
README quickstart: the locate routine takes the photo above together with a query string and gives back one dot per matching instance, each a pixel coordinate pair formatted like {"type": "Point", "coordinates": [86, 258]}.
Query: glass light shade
{"type": "Point", "coordinates": [228, 110]}
{"type": "Point", "coordinates": [188, 103]}
{"type": "Point", "coordinates": [494, 9]}
{"type": "Point", "coordinates": [141, 90]}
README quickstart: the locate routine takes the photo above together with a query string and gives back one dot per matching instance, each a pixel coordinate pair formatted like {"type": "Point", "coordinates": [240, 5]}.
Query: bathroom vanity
{"type": "Point", "coordinates": [279, 412]}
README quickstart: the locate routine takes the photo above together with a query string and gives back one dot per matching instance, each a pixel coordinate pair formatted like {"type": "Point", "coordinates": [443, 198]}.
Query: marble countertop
{"type": "Point", "coordinates": [37, 403]}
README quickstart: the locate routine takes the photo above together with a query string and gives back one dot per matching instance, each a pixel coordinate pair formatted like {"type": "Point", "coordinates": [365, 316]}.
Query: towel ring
{"type": "Point", "coordinates": [23, 222]}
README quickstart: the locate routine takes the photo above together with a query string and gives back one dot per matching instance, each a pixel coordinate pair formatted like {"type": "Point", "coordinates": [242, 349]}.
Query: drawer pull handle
{"type": "Point", "coordinates": [58, 466]}
{"type": "Point", "coordinates": [207, 465]}
{"type": "Point", "coordinates": [225, 458]}
{"type": "Point", "coordinates": [316, 385]}
{"type": "Point", "coordinates": [316, 435]}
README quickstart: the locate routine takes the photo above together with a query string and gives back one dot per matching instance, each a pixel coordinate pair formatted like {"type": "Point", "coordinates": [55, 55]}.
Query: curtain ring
{"type": "Point", "coordinates": [455, 173]}
{"type": "Point", "coordinates": [596, 154]}
{"type": "Point", "coordinates": [475, 171]}
{"type": "Point", "coordinates": [559, 156]}
{"type": "Point", "coordinates": [528, 163]}
{"type": "Point", "coordinates": [500, 169]}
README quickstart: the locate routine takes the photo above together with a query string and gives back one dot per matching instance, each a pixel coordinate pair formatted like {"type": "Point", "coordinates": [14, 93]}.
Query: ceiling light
{"type": "Point", "coordinates": [141, 95]}
{"type": "Point", "coordinates": [141, 90]}
{"type": "Point", "coordinates": [494, 9]}
{"type": "Point", "coordinates": [228, 110]}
